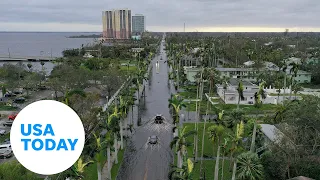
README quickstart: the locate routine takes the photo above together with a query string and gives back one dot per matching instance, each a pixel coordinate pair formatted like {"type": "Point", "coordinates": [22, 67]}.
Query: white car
{"type": "Point", "coordinates": [5, 153]}
{"type": "Point", "coordinates": [2, 132]}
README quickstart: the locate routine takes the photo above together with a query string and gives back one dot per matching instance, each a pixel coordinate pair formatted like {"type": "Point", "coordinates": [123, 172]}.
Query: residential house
{"type": "Point", "coordinates": [230, 95]}
{"type": "Point", "coordinates": [248, 74]}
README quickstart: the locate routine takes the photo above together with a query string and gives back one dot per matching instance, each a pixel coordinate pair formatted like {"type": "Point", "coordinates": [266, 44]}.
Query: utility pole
{"type": "Point", "coordinates": [184, 27]}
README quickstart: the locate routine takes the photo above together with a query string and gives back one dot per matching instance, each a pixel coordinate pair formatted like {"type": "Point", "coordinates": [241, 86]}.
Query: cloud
{"type": "Point", "coordinates": [167, 15]}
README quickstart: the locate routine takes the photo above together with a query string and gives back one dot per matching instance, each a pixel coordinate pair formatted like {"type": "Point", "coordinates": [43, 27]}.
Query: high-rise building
{"type": "Point", "coordinates": [116, 24]}
{"type": "Point", "coordinates": [138, 24]}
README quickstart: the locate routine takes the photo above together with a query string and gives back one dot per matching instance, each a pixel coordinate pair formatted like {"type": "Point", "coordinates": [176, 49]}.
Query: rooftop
{"type": "Point", "coordinates": [235, 69]}
{"type": "Point", "coordinates": [273, 133]}
{"type": "Point", "coordinates": [235, 82]}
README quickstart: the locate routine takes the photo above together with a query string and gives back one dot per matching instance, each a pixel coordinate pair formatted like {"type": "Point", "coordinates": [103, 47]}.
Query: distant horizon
{"type": "Point", "coordinates": [164, 32]}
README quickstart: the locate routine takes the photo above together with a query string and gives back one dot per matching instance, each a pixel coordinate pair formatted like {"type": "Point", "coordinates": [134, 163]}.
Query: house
{"type": "Point", "coordinates": [248, 74]}
{"type": "Point", "coordinates": [239, 73]}
{"type": "Point", "coordinates": [273, 136]}
{"type": "Point", "coordinates": [302, 76]}
{"type": "Point", "coordinates": [230, 94]}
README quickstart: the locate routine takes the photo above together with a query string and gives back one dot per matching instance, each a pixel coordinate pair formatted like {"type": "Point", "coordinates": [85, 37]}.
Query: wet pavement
{"type": "Point", "coordinates": [143, 161]}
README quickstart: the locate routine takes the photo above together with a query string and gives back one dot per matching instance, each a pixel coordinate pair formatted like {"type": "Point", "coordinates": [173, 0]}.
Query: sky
{"type": "Point", "coordinates": [163, 15]}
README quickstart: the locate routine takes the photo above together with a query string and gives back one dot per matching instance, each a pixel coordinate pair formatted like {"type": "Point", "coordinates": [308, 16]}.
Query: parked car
{"type": "Point", "coordinates": [12, 116]}
{"type": "Point", "coordinates": [153, 139]}
{"type": "Point", "coordinates": [5, 153]}
{"type": "Point", "coordinates": [18, 91]}
{"type": "Point", "coordinates": [10, 95]}
{"type": "Point", "coordinates": [8, 123]}
{"type": "Point", "coordinates": [5, 146]}
{"type": "Point", "coordinates": [42, 87]}
{"type": "Point", "coordinates": [19, 100]}
{"type": "Point", "coordinates": [6, 141]}
{"type": "Point", "coordinates": [2, 132]}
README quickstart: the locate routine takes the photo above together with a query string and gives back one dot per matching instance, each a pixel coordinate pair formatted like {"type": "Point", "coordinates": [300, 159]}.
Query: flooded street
{"type": "Point", "coordinates": [142, 160]}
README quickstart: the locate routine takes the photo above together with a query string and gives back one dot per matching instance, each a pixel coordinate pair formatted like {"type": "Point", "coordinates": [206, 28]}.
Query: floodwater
{"type": "Point", "coordinates": [143, 161]}
{"type": "Point", "coordinates": [36, 66]}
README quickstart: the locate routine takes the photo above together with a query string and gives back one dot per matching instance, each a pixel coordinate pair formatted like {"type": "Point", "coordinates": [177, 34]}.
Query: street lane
{"type": "Point", "coordinates": [147, 164]}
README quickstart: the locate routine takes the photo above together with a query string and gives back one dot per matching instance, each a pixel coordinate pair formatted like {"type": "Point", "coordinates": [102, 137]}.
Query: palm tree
{"type": "Point", "coordinates": [235, 146]}
{"type": "Point", "coordinates": [215, 133]}
{"type": "Point", "coordinates": [240, 93]}
{"type": "Point", "coordinates": [249, 167]}
{"type": "Point", "coordinates": [98, 156]}
{"type": "Point", "coordinates": [181, 144]}
{"type": "Point", "coordinates": [294, 69]}
{"type": "Point", "coordinates": [257, 97]}
{"type": "Point", "coordinates": [29, 65]}
{"type": "Point", "coordinates": [42, 69]}
{"type": "Point", "coordinates": [225, 81]}
{"type": "Point", "coordinates": [177, 103]}
{"type": "Point", "coordinates": [182, 173]}
{"type": "Point", "coordinates": [296, 88]}
{"type": "Point", "coordinates": [78, 167]}
{"type": "Point", "coordinates": [224, 149]}
{"type": "Point", "coordinates": [123, 113]}
{"type": "Point", "coordinates": [112, 123]}
{"type": "Point", "coordinates": [109, 142]}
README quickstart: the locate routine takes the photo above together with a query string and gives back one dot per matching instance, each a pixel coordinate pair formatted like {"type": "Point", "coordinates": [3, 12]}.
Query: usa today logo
{"type": "Point", "coordinates": [47, 137]}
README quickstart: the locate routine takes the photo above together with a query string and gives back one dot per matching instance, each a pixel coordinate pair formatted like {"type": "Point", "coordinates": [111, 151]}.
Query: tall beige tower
{"type": "Point", "coordinates": [116, 24]}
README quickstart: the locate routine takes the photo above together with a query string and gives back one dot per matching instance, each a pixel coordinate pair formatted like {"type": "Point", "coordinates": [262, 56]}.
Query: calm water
{"type": "Point", "coordinates": [40, 44]}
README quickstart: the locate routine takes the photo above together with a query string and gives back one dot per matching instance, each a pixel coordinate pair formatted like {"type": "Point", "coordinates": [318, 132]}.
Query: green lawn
{"type": "Point", "coordinates": [91, 172]}
{"type": "Point", "coordinates": [210, 149]}
{"type": "Point", "coordinates": [208, 168]}
{"type": "Point", "coordinates": [7, 108]}
{"type": "Point", "coordinates": [125, 68]}
{"type": "Point", "coordinates": [188, 95]}
{"type": "Point", "coordinates": [115, 167]}
{"type": "Point", "coordinates": [248, 109]}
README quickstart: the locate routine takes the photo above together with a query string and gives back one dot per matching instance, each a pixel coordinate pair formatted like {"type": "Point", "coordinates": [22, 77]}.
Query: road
{"type": "Point", "coordinates": [147, 164]}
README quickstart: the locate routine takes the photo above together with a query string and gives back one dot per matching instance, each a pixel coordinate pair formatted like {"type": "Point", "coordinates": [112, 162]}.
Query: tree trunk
{"type": "Point", "coordinates": [121, 134]}
{"type": "Point", "coordinates": [109, 162]}
{"type": "Point", "coordinates": [253, 139]}
{"type": "Point", "coordinates": [216, 170]}
{"type": "Point", "coordinates": [179, 164]}
{"type": "Point", "coordinates": [176, 131]}
{"type": "Point", "coordinates": [238, 102]}
{"type": "Point", "coordinates": [99, 171]}
{"type": "Point", "coordinates": [284, 90]}
{"type": "Point", "coordinates": [115, 149]}
{"type": "Point", "coordinates": [125, 126]}
{"type": "Point", "coordinates": [290, 90]}
{"type": "Point", "coordinates": [224, 96]}
{"type": "Point", "coordinates": [234, 170]}
{"type": "Point", "coordinates": [222, 168]}
{"type": "Point", "coordinates": [132, 114]}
